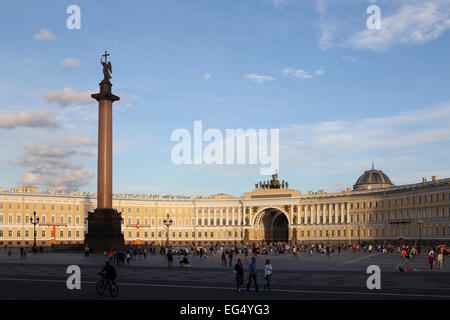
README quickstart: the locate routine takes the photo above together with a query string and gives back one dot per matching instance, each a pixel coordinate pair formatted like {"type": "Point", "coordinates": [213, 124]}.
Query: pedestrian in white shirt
{"type": "Point", "coordinates": [268, 275]}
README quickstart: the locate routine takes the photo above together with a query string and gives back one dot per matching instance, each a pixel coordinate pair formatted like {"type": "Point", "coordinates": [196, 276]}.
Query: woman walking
{"type": "Point", "coordinates": [268, 275]}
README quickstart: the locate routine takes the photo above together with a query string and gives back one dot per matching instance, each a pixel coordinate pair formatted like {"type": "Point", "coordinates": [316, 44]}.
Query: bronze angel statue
{"type": "Point", "coordinates": [107, 68]}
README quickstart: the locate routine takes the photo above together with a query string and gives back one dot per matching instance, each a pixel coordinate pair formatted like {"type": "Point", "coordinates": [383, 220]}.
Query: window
{"type": "Point", "coordinates": [69, 234]}
{"type": "Point", "coordinates": [61, 219]}
{"type": "Point", "coordinates": [61, 233]}
{"type": "Point", "coordinates": [43, 233]}
{"type": "Point", "coordinates": [77, 234]}
{"type": "Point", "coordinates": [27, 234]}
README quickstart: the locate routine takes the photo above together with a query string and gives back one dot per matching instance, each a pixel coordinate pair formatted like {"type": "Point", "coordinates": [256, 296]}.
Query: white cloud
{"type": "Point", "coordinates": [51, 165]}
{"type": "Point", "coordinates": [28, 118]}
{"type": "Point", "coordinates": [299, 73]}
{"type": "Point", "coordinates": [71, 62]}
{"type": "Point", "coordinates": [206, 76]}
{"type": "Point", "coordinates": [415, 22]}
{"type": "Point", "coordinates": [343, 145]}
{"type": "Point", "coordinates": [320, 72]}
{"type": "Point", "coordinates": [44, 34]}
{"type": "Point", "coordinates": [258, 78]}
{"type": "Point", "coordinates": [80, 141]}
{"type": "Point", "coordinates": [68, 96]}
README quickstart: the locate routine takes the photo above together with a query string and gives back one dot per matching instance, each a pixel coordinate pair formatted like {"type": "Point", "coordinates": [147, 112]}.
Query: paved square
{"type": "Point", "coordinates": [339, 276]}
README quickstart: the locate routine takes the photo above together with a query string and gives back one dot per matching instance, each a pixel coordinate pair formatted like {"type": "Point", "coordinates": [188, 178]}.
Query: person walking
{"type": "Point", "coordinates": [268, 275]}
{"type": "Point", "coordinates": [252, 275]}
{"type": "Point", "coordinates": [440, 257]}
{"type": "Point", "coordinates": [128, 258]}
{"type": "Point", "coordinates": [169, 258]}
{"type": "Point", "coordinates": [230, 256]}
{"type": "Point", "coordinates": [224, 259]}
{"type": "Point", "coordinates": [239, 271]}
{"type": "Point", "coordinates": [431, 258]}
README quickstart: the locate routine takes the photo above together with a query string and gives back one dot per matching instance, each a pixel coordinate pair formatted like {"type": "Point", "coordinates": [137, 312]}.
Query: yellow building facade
{"type": "Point", "coordinates": [373, 211]}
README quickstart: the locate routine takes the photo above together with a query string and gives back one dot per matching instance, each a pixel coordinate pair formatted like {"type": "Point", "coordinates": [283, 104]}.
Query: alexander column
{"type": "Point", "coordinates": [105, 222]}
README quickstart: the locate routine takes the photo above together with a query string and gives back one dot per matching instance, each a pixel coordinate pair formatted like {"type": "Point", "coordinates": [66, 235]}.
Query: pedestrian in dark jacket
{"type": "Point", "coordinates": [239, 270]}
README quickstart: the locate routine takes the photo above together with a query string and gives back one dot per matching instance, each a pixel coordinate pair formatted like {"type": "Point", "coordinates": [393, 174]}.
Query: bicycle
{"type": "Point", "coordinates": [106, 284]}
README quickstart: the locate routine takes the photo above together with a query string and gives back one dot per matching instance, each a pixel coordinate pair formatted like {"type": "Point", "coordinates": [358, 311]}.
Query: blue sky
{"type": "Point", "coordinates": [341, 95]}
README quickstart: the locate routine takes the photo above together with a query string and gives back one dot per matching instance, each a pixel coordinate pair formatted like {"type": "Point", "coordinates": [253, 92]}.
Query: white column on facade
{"type": "Point", "coordinates": [233, 216]}
{"type": "Point", "coordinates": [329, 212]}
{"type": "Point", "coordinates": [298, 213]}
{"type": "Point", "coordinates": [240, 214]}
{"type": "Point", "coordinates": [317, 208]}
{"type": "Point", "coordinates": [309, 215]}
{"type": "Point", "coordinates": [347, 215]}
{"type": "Point", "coordinates": [336, 214]}
{"type": "Point", "coordinates": [291, 214]}
{"type": "Point", "coordinates": [250, 222]}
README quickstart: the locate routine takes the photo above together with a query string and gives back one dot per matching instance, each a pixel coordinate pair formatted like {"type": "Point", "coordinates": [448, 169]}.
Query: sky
{"type": "Point", "coordinates": [342, 95]}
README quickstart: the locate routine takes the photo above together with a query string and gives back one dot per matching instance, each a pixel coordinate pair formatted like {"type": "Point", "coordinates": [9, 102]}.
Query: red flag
{"type": "Point", "coordinates": [137, 226]}
{"type": "Point", "coordinates": [54, 231]}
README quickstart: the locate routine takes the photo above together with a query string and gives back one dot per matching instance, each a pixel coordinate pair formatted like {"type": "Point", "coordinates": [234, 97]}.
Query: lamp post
{"type": "Point", "coordinates": [168, 222]}
{"type": "Point", "coordinates": [358, 229]}
{"type": "Point", "coordinates": [420, 223]}
{"type": "Point", "coordinates": [34, 221]}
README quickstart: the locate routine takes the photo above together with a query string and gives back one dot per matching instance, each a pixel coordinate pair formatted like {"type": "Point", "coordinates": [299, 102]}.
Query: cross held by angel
{"type": "Point", "coordinates": [107, 68]}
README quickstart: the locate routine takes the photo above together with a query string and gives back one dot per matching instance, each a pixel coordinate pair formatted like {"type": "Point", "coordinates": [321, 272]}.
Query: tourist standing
{"type": "Point", "coordinates": [268, 275]}
{"type": "Point", "coordinates": [252, 274]}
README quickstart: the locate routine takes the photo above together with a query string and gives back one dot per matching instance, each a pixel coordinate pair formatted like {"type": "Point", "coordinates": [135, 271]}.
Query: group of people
{"type": "Point", "coordinates": [252, 275]}
{"type": "Point", "coordinates": [438, 251]}
{"type": "Point", "coordinates": [120, 256]}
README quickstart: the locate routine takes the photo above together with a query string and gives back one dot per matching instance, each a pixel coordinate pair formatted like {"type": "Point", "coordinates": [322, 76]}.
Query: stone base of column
{"type": "Point", "coordinates": [104, 230]}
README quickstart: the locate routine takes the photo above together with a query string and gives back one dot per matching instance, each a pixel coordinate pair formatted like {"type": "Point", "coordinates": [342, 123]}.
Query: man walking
{"type": "Point", "coordinates": [239, 271]}
{"type": "Point", "coordinates": [252, 274]}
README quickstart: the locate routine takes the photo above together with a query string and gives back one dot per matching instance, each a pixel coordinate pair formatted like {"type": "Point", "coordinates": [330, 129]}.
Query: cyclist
{"type": "Point", "coordinates": [108, 272]}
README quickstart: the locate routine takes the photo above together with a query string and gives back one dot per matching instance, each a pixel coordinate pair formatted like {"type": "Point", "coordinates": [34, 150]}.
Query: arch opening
{"type": "Point", "coordinates": [273, 225]}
